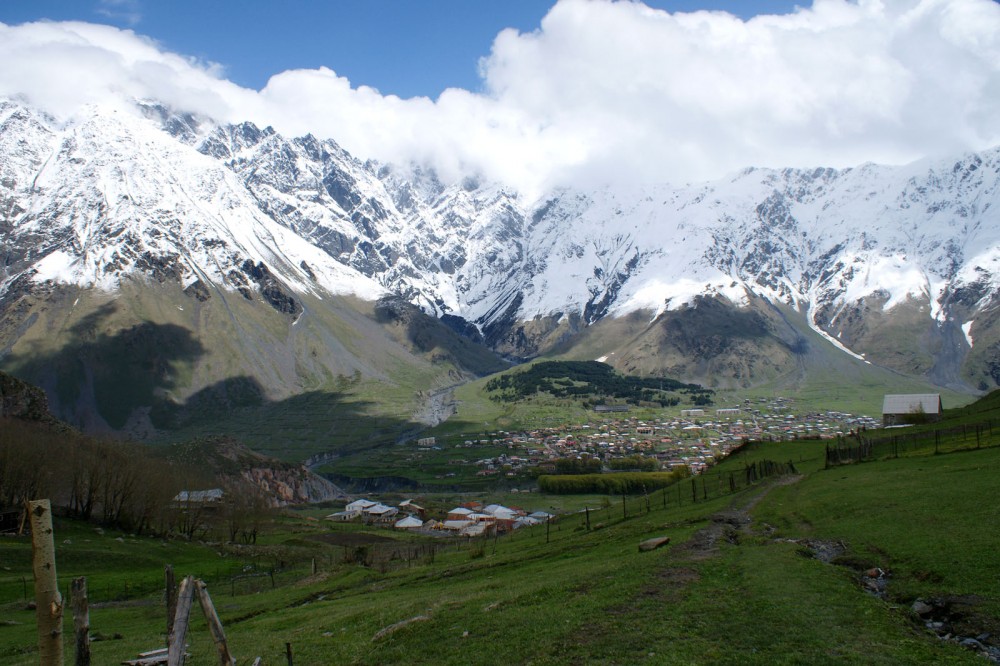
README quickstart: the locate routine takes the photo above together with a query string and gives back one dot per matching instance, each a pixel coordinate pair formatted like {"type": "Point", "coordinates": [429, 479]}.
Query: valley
{"type": "Point", "coordinates": [569, 332]}
{"type": "Point", "coordinates": [776, 567]}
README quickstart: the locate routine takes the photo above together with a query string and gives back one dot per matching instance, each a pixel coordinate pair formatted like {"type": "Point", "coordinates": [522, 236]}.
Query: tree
{"type": "Point", "coordinates": [245, 507]}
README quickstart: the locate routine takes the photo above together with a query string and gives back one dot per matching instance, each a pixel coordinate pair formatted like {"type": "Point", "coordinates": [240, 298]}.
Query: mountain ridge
{"type": "Point", "coordinates": [896, 266]}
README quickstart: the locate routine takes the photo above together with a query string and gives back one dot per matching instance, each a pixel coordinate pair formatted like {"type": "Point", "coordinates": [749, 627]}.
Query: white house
{"type": "Point", "coordinates": [359, 505]}
{"type": "Point", "coordinates": [460, 513]}
{"type": "Point", "coordinates": [409, 523]}
{"type": "Point", "coordinates": [343, 516]}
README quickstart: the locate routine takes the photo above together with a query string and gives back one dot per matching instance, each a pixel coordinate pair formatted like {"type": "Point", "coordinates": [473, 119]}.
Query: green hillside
{"type": "Point", "coordinates": [760, 569]}
{"type": "Point", "coordinates": [154, 364]}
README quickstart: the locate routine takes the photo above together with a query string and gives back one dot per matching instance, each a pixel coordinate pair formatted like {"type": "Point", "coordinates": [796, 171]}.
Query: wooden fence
{"type": "Point", "coordinates": [897, 442]}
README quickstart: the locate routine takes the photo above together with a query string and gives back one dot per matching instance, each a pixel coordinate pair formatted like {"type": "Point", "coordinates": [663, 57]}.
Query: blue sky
{"type": "Point", "coordinates": [400, 47]}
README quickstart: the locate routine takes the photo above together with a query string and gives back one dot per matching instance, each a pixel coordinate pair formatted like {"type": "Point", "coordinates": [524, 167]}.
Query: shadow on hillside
{"type": "Point", "coordinates": [123, 382]}
{"type": "Point", "coordinates": [96, 380]}
{"type": "Point", "coordinates": [450, 338]}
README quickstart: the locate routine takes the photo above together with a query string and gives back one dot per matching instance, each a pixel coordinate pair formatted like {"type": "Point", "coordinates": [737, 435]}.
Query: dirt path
{"type": "Point", "coordinates": [729, 524]}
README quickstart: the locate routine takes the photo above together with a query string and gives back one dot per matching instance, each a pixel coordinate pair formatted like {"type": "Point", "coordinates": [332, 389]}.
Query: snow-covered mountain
{"type": "Point", "coordinates": [897, 266]}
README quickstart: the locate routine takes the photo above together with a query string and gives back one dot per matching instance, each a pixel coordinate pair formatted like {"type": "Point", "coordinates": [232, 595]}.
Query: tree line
{"type": "Point", "coordinates": [614, 483]}
{"type": "Point", "coordinates": [593, 465]}
{"type": "Point", "coordinates": [120, 484]}
{"type": "Point", "coordinates": [566, 379]}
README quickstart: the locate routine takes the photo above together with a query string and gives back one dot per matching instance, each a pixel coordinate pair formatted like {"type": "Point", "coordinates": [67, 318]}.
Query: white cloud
{"type": "Point", "coordinates": [604, 90]}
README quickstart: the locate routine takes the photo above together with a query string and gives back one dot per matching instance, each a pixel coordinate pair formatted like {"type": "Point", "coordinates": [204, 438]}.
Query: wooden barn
{"type": "Point", "coordinates": [904, 408]}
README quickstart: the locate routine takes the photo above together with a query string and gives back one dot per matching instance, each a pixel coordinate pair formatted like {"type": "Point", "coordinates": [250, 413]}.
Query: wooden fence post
{"type": "Point", "coordinates": [214, 625]}
{"type": "Point", "coordinates": [81, 620]}
{"type": "Point", "coordinates": [175, 650]}
{"type": "Point", "coordinates": [49, 603]}
{"type": "Point", "coordinates": [171, 597]}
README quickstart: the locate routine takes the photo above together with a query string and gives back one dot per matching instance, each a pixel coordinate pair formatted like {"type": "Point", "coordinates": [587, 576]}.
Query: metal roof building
{"type": "Point", "coordinates": [908, 407]}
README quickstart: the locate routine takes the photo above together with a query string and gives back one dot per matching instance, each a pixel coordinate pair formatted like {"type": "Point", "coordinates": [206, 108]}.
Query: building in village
{"type": "Point", "coordinates": [408, 523]}
{"type": "Point", "coordinates": [899, 409]}
{"type": "Point", "coordinates": [186, 499]}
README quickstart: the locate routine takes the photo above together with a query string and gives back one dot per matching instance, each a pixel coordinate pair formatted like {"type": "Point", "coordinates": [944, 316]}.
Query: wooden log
{"type": "Point", "coordinates": [653, 543]}
{"type": "Point", "coordinates": [158, 652]}
{"type": "Point", "coordinates": [48, 600]}
{"type": "Point", "coordinates": [175, 650]}
{"type": "Point", "coordinates": [214, 625]}
{"type": "Point", "coordinates": [156, 657]}
{"type": "Point", "coordinates": [81, 620]}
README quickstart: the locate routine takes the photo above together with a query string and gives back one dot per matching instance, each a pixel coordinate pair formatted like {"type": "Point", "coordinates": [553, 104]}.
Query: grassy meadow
{"type": "Point", "coordinates": [737, 583]}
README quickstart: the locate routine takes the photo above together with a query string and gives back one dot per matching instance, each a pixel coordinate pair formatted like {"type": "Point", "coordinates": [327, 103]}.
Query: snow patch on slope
{"type": "Point", "coordinates": [967, 331]}
{"type": "Point", "coordinates": [810, 317]}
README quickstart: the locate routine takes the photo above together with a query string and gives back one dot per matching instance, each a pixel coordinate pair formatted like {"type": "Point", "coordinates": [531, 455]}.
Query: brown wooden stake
{"type": "Point", "coordinates": [171, 597]}
{"type": "Point", "coordinates": [288, 653]}
{"type": "Point", "coordinates": [175, 648]}
{"type": "Point", "coordinates": [214, 625]}
{"type": "Point", "coordinates": [81, 620]}
{"type": "Point", "coordinates": [49, 603]}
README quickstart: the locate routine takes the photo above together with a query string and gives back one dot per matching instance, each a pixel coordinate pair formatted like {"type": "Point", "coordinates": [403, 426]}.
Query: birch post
{"type": "Point", "coordinates": [81, 620]}
{"type": "Point", "coordinates": [214, 625]}
{"type": "Point", "coordinates": [175, 649]}
{"type": "Point", "coordinates": [49, 603]}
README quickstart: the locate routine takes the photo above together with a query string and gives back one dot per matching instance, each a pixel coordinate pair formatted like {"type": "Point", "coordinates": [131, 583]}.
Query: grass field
{"type": "Point", "coordinates": [737, 583]}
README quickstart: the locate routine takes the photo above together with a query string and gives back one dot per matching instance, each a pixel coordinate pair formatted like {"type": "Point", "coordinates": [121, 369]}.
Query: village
{"type": "Point", "coordinates": [470, 519]}
{"type": "Point", "coordinates": [693, 438]}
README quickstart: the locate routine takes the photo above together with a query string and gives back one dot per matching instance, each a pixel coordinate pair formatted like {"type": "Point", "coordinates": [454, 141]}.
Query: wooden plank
{"type": "Point", "coordinates": [152, 657]}
{"type": "Point", "coordinates": [175, 651]}
{"type": "Point", "coordinates": [214, 625]}
{"type": "Point", "coordinates": [154, 653]}
{"type": "Point", "coordinates": [148, 661]}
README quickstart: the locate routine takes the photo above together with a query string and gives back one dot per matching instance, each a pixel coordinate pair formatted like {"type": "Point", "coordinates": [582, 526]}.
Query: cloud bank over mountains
{"type": "Point", "coordinates": [601, 91]}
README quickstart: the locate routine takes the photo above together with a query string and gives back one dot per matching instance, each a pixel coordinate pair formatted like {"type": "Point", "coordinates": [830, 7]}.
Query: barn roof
{"type": "Point", "coordinates": [912, 403]}
{"type": "Point", "coordinates": [408, 522]}
{"type": "Point", "coordinates": [199, 496]}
